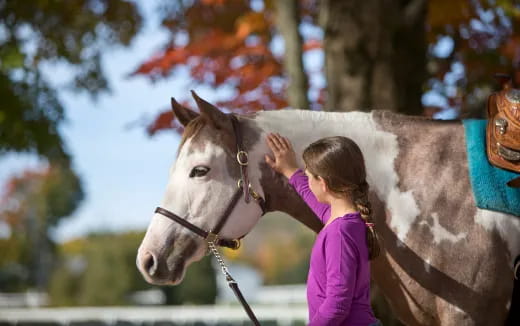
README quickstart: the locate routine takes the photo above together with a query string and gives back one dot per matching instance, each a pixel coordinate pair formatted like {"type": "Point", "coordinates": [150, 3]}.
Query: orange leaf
{"type": "Point", "coordinates": [312, 45]}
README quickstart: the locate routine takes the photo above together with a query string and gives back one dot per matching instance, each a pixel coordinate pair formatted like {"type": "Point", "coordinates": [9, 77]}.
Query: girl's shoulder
{"type": "Point", "coordinates": [353, 228]}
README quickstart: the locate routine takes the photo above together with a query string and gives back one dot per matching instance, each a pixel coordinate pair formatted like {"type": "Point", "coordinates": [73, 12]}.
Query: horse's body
{"type": "Point", "coordinates": [444, 262]}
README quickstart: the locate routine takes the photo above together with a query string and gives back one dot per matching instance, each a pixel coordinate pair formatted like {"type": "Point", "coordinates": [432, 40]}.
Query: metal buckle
{"type": "Point", "coordinates": [212, 237]}
{"type": "Point", "coordinates": [253, 193]}
{"type": "Point", "coordinates": [236, 245]}
{"type": "Point", "coordinates": [240, 182]}
{"type": "Point", "coordinates": [243, 163]}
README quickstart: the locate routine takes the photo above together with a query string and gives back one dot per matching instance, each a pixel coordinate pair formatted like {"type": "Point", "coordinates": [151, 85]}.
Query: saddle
{"type": "Point", "coordinates": [503, 130]}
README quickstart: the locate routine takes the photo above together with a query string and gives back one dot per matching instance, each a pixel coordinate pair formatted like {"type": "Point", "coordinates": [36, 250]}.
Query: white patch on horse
{"type": "Point", "coordinates": [440, 233]}
{"type": "Point", "coordinates": [507, 226]}
{"type": "Point", "coordinates": [380, 149]}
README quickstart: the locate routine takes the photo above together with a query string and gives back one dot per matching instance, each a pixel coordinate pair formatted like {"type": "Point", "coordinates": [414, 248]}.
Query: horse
{"type": "Point", "coordinates": [444, 261]}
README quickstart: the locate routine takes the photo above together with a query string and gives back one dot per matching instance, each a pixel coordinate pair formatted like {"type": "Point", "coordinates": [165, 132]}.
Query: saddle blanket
{"type": "Point", "coordinates": [487, 181]}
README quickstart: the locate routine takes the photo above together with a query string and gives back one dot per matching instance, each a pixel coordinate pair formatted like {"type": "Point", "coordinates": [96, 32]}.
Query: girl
{"type": "Point", "coordinates": [334, 187]}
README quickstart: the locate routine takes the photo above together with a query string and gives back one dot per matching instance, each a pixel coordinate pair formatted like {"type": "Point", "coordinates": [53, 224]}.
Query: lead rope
{"type": "Point", "coordinates": [233, 284]}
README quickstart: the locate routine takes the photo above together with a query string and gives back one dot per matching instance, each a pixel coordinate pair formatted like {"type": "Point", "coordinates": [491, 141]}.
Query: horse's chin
{"type": "Point", "coordinates": [177, 276]}
{"type": "Point", "coordinates": [177, 268]}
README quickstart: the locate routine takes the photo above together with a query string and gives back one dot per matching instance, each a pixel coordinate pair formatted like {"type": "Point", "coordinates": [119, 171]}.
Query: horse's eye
{"type": "Point", "coordinates": [199, 171]}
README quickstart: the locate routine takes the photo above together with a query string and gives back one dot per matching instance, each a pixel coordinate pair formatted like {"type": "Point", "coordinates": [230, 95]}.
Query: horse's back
{"type": "Point", "coordinates": [455, 256]}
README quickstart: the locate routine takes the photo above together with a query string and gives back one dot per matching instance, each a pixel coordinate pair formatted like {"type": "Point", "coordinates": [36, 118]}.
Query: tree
{"type": "Point", "coordinates": [222, 43]}
{"type": "Point", "coordinates": [375, 54]}
{"type": "Point", "coordinates": [43, 32]}
{"type": "Point", "coordinates": [482, 40]}
{"type": "Point", "coordinates": [378, 54]}
{"type": "Point", "coordinates": [32, 204]}
{"type": "Point", "coordinates": [288, 22]}
{"type": "Point", "coordinates": [85, 267]}
{"type": "Point", "coordinates": [35, 34]}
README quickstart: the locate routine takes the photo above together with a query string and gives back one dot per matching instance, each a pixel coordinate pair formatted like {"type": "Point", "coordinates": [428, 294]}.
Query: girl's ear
{"type": "Point", "coordinates": [323, 184]}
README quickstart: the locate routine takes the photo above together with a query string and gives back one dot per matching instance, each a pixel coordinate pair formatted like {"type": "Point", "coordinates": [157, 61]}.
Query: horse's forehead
{"type": "Point", "coordinates": [197, 149]}
{"type": "Point", "coordinates": [204, 148]}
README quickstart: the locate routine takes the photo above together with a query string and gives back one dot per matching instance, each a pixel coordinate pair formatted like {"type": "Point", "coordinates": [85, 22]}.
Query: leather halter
{"type": "Point", "coordinates": [212, 236]}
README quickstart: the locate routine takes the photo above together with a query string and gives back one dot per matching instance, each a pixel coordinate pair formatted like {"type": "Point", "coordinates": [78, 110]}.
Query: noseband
{"type": "Point", "coordinates": [212, 237]}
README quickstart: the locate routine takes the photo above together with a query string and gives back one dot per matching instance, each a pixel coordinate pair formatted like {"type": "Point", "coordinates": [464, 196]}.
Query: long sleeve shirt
{"type": "Point", "coordinates": [338, 282]}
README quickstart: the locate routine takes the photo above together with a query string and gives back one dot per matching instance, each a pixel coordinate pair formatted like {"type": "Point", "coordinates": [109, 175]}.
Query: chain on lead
{"type": "Point", "coordinates": [223, 266]}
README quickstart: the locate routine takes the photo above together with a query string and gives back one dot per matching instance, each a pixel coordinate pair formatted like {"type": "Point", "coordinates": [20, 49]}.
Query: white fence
{"type": "Point", "coordinates": [217, 315]}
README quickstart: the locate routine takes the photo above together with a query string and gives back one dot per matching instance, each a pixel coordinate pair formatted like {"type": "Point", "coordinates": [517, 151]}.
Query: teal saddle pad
{"type": "Point", "coordinates": [487, 181]}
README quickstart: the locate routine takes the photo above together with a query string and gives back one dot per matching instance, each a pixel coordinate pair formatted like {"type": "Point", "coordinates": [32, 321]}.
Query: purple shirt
{"type": "Point", "coordinates": [338, 283]}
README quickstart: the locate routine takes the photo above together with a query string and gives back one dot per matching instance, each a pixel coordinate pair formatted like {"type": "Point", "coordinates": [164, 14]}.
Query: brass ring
{"type": "Point", "coordinates": [236, 245]}
{"type": "Point", "coordinates": [243, 163]}
{"type": "Point", "coordinates": [253, 193]}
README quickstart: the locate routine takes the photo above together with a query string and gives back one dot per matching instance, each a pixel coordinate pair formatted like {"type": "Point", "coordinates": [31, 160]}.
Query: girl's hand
{"type": "Point", "coordinates": [284, 157]}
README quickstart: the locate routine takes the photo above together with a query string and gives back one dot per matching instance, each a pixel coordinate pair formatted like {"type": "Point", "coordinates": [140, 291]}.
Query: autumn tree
{"type": "Point", "coordinates": [35, 35]}
{"type": "Point", "coordinates": [33, 203]}
{"type": "Point", "coordinates": [229, 43]}
{"type": "Point", "coordinates": [378, 54]}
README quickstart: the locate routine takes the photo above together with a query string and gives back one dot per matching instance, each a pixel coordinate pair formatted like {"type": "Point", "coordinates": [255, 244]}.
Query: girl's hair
{"type": "Point", "coordinates": [339, 161]}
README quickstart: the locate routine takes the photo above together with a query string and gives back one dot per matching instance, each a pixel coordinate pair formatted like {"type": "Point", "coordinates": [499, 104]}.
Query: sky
{"type": "Point", "coordinates": [123, 170]}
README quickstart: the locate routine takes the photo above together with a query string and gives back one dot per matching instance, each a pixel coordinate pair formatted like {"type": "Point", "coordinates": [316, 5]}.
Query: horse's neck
{"type": "Point", "coordinates": [303, 128]}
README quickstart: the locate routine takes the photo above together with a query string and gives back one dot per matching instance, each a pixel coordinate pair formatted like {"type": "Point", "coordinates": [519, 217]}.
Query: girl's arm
{"type": "Point", "coordinates": [285, 163]}
{"type": "Point", "coordinates": [341, 258]}
{"type": "Point", "coordinates": [300, 182]}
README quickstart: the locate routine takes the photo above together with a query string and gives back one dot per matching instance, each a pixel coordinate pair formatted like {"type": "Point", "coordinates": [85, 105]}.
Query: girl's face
{"type": "Point", "coordinates": [318, 187]}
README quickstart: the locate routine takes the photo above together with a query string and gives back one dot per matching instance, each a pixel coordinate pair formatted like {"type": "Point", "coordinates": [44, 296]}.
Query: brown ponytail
{"type": "Point", "coordinates": [360, 199]}
{"type": "Point", "coordinates": [339, 161]}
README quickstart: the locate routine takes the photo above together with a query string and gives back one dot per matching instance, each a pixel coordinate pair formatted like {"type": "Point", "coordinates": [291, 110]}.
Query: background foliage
{"type": "Point", "coordinates": [254, 54]}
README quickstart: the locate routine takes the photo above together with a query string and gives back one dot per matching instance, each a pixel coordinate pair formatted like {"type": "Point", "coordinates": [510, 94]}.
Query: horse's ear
{"type": "Point", "coordinates": [217, 118]}
{"type": "Point", "coordinates": [184, 115]}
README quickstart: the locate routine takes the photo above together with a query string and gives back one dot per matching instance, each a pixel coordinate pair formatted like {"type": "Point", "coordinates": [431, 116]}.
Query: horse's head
{"type": "Point", "coordinates": [202, 183]}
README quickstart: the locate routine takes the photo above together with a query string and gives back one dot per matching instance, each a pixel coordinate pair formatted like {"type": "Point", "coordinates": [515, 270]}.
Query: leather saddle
{"type": "Point", "coordinates": [503, 130]}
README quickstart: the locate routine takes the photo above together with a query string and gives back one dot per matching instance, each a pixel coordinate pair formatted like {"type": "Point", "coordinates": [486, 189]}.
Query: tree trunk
{"type": "Point", "coordinates": [375, 54]}
{"type": "Point", "coordinates": [288, 21]}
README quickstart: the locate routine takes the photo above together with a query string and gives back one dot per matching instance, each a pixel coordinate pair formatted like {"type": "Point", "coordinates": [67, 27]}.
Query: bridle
{"type": "Point", "coordinates": [212, 237]}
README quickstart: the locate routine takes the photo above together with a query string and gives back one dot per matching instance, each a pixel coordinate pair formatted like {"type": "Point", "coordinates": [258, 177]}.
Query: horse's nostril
{"type": "Point", "coordinates": [150, 264]}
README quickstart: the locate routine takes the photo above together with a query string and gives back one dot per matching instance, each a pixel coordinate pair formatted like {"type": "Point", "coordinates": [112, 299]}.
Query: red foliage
{"type": "Point", "coordinates": [11, 210]}
{"type": "Point", "coordinates": [229, 44]}
{"type": "Point", "coordinates": [312, 45]}
{"type": "Point", "coordinates": [164, 121]}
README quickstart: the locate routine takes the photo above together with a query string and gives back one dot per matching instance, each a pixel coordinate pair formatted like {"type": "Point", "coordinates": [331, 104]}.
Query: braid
{"type": "Point", "coordinates": [360, 196]}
